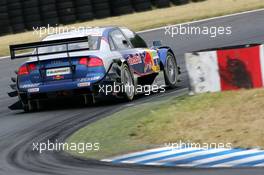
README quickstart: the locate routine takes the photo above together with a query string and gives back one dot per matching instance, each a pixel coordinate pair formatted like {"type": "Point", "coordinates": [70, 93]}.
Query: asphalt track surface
{"type": "Point", "coordinates": [19, 130]}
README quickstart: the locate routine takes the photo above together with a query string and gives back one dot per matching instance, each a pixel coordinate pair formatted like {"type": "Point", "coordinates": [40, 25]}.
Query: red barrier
{"type": "Point", "coordinates": [226, 69]}
{"type": "Point", "coordinates": [240, 68]}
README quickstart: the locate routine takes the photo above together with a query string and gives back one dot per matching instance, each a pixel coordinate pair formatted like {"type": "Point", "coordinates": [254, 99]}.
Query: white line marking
{"type": "Point", "coordinates": [5, 57]}
{"type": "Point", "coordinates": [203, 20]}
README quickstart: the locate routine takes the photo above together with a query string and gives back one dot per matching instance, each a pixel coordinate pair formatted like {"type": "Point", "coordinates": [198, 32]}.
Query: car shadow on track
{"type": "Point", "coordinates": [70, 104]}
{"type": "Point", "coordinates": [73, 103]}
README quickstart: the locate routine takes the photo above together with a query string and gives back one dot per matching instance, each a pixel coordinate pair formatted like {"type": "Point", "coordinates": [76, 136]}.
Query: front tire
{"type": "Point", "coordinates": [128, 83]}
{"type": "Point", "coordinates": [171, 71]}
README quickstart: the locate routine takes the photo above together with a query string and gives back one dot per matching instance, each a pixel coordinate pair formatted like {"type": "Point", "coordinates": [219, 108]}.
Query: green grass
{"type": "Point", "coordinates": [231, 117]}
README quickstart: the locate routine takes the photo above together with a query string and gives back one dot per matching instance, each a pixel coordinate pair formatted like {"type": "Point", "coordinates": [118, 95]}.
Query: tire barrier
{"type": "Point", "coordinates": [66, 11]}
{"type": "Point", "coordinates": [4, 22]}
{"type": "Point", "coordinates": [31, 14]}
{"type": "Point", "coordinates": [180, 2]}
{"type": "Point", "coordinates": [120, 7]}
{"type": "Point", "coordinates": [232, 68]}
{"type": "Point", "coordinates": [22, 15]}
{"type": "Point", "coordinates": [48, 12]}
{"type": "Point", "coordinates": [101, 8]}
{"type": "Point", "coordinates": [15, 15]}
{"type": "Point", "coordinates": [198, 0]}
{"type": "Point", "coordinates": [84, 10]}
{"type": "Point", "coordinates": [161, 3]}
{"type": "Point", "coordinates": [141, 5]}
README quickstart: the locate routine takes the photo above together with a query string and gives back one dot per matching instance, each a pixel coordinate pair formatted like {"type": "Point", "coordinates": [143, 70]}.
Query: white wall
{"type": "Point", "coordinates": [203, 72]}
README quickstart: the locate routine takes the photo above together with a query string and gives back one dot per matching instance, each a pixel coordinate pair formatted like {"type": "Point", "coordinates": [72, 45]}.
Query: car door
{"type": "Point", "coordinates": [141, 60]}
{"type": "Point", "coordinates": [150, 58]}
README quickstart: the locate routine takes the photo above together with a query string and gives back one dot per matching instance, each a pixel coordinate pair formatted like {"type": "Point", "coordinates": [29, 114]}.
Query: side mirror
{"type": "Point", "coordinates": [157, 44]}
{"type": "Point", "coordinates": [125, 42]}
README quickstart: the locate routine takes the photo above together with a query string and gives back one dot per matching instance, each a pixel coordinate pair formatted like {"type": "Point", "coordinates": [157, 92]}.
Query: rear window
{"type": "Point", "coordinates": [93, 44]}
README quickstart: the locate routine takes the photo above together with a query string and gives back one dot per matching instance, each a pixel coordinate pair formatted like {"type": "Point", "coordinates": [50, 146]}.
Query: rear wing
{"type": "Point", "coordinates": [37, 45]}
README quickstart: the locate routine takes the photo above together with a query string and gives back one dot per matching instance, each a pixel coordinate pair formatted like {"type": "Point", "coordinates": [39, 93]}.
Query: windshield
{"type": "Point", "coordinates": [92, 44]}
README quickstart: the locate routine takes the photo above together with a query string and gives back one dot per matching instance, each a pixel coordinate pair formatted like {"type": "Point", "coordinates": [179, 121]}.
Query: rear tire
{"type": "Point", "coordinates": [128, 83]}
{"type": "Point", "coordinates": [30, 106]}
{"type": "Point", "coordinates": [89, 100]}
{"type": "Point", "coordinates": [26, 108]}
{"type": "Point", "coordinates": [171, 72]}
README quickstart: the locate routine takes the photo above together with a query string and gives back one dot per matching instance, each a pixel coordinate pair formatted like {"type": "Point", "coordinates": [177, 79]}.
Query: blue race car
{"type": "Point", "coordinates": [92, 63]}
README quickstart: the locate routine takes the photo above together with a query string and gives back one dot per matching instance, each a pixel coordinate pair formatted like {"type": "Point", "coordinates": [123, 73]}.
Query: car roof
{"type": "Point", "coordinates": [78, 32]}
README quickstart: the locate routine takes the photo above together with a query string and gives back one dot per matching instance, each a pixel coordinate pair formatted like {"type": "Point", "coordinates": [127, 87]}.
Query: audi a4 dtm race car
{"type": "Point", "coordinates": [82, 62]}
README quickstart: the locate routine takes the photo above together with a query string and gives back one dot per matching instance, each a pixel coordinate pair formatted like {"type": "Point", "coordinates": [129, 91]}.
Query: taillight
{"type": "Point", "coordinates": [91, 62]}
{"type": "Point", "coordinates": [83, 61]}
{"type": "Point", "coordinates": [31, 67]}
{"type": "Point", "coordinates": [94, 62]}
{"type": "Point", "coordinates": [26, 69]}
{"type": "Point", "coordinates": [23, 70]}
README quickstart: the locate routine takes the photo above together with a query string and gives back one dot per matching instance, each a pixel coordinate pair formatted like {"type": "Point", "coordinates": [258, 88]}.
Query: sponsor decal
{"type": "Point", "coordinates": [58, 77]}
{"type": "Point", "coordinates": [148, 62]}
{"type": "Point", "coordinates": [151, 61]}
{"type": "Point", "coordinates": [134, 59]}
{"type": "Point", "coordinates": [145, 62]}
{"type": "Point", "coordinates": [84, 84]}
{"type": "Point", "coordinates": [90, 79]}
{"type": "Point", "coordinates": [58, 71]}
{"type": "Point", "coordinates": [56, 62]}
{"type": "Point", "coordinates": [30, 85]}
{"type": "Point", "coordinates": [32, 90]}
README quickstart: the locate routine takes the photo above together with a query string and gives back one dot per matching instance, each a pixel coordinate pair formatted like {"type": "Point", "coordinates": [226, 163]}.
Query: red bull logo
{"type": "Point", "coordinates": [151, 62]}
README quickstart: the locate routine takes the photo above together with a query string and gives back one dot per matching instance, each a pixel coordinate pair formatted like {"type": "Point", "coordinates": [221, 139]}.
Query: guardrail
{"type": "Point", "coordinates": [22, 15]}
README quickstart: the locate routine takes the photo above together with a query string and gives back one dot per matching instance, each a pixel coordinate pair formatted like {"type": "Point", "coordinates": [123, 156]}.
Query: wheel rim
{"type": "Point", "coordinates": [171, 69]}
{"type": "Point", "coordinates": [128, 83]}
